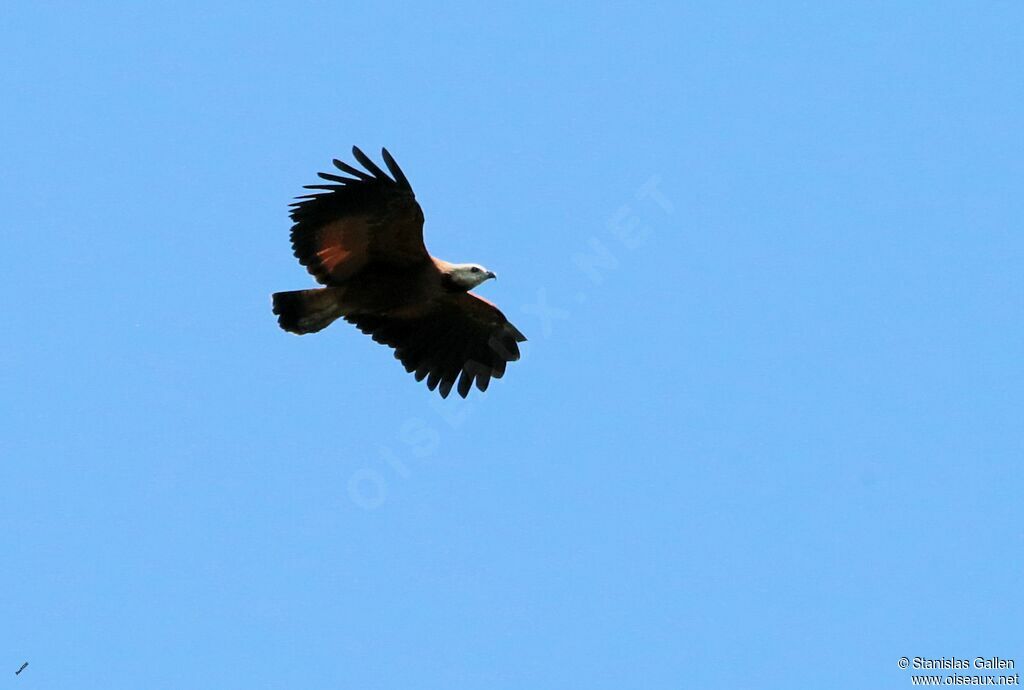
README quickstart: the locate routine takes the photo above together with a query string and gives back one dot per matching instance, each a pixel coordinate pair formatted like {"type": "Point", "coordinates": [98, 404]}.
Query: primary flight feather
{"type": "Point", "coordinates": [362, 237]}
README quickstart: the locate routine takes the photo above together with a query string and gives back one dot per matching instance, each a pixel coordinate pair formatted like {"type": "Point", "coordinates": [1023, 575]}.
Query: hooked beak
{"type": "Point", "coordinates": [490, 274]}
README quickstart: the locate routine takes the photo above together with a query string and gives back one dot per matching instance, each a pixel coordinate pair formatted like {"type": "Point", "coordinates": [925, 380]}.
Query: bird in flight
{"type": "Point", "coordinates": [362, 238]}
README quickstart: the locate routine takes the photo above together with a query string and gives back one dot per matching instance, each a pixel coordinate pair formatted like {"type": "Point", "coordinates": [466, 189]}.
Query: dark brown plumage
{"type": "Point", "coordinates": [362, 238]}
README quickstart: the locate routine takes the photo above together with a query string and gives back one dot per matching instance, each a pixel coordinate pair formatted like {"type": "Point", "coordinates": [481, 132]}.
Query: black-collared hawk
{"type": "Point", "coordinates": [362, 237]}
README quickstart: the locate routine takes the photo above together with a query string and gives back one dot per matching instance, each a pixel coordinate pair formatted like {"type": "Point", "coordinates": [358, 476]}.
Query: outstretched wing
{"type": "Point", "coordinates": [366, 218]}
{"type": "Point", "coordinates": [457, 336]}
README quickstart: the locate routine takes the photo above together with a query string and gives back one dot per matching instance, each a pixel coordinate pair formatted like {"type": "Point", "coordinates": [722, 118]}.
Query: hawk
{"type": "Point", "coordinates": [362, 238]}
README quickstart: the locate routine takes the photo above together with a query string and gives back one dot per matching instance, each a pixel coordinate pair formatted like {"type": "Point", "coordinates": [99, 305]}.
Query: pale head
{"type": "Point", "coordinates": [468, 276]}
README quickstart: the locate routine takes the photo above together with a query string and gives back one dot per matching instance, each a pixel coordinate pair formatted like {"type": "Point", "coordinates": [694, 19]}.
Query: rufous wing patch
{"type": "Point", "coordinates": [342, 247]}
{"type": "Point", "coordinates": [332, 257]}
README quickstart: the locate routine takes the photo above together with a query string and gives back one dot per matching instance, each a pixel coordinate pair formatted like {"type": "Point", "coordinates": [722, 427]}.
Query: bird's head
{"type": "Point", "coordinates": [468, 276]}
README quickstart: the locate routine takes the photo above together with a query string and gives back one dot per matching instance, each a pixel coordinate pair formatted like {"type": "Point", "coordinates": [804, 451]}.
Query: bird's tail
{"type": "Point", "coordinates": [308, 311]}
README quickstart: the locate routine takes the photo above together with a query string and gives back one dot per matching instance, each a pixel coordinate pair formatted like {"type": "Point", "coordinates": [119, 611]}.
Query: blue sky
{"type": "Point", "coordinates": [772, 440]}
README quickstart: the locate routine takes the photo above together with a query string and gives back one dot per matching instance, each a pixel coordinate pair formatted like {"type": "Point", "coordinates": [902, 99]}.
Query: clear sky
{"type": "Point", "coordinates": [767, 431]}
